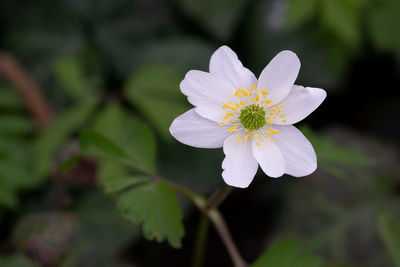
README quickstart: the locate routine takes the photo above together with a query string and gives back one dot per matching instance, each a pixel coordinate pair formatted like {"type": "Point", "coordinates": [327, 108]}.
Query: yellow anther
{"type": "Point", "coordinates": [229, 121]}
{"type": "Point", "coordinates": [248, 89]}
{"type": "Point", "coordinates": [254, 85]}
{"type": "Point", "coordinates": [282, 116]}
{"type": "Point", "coordinates": [268, 107]}
{"type": "Point", "coordinates": [230, 102]}
{"type": "Point", "coordinates": [262, 101]}
{"type": "Point", "coordinates": [274, 110]}
{"type": "Point", "coordinates": [237, 105]}
{"type": "Point", "coordinates": [274, 117]}
{"type": "Point", "coordinates": [241, 103]}
{"type": "Point", "coordinates": [220, 124]}
{"type": "Point", "coordinates": [272, 140]}
{"type": "Point", "coordinates": [281, 105]}
{"type": "Point", "coordinates": [223, 122]}
{"type": "Point", "coordinates": [253, 99]}
{"type": "Point", "coordinates": [245, 139]}
{"type": "Point", "coordinates": [284, 121]}
{"type": "Point", "coordinates": [267, 136]}
{"type": "Point", "coordinates": [271, 114]}
{"type": "Point", "coordinates": [258, 144]}
{"type": "Point", "coordinates": [269, 123]}
{"type": "Point", "coordinates": [251, 135]}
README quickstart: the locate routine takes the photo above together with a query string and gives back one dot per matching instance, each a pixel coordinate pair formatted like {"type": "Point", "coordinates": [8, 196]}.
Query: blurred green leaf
{"type": "Point", "coordinates": [384, 25]}
{"type": "Point", "coordinates": [300, 11]}
{"type": "Point", "coordinates": [15, 124]}
{"type": "Point", "coordinates": [70, 73]}
{"type": "Point", "coordinates": [285, 254]}
{"type": "Point", "coordinates": [9, 99]}
{"type": "Point", "coordinates": [218, 17]}
{"type": "Point", "coordinates": [131, 135]}
{"type": "Point", "coordinates": [70, 163]}
{"type": "Point", "coordinates": [16, 260]}
{"type": "Point", "coordinates": [66, 124]}
{"type": "Point", "coordinates": [156, 206]}
{"type": "Point", "coordinates": [94, 143]}
{"type": "Point", "coordinates": [389, 231]}
{"type": "Point", "coordinates": [155, 91]}
{"type": "Point", "coordinates": [332, 158]}
{"type": "Point", "coordinates": [342, 17]}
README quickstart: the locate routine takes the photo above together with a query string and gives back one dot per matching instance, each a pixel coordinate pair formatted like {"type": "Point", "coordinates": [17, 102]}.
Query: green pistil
{"type": "Point", "coordinates": [252, 117]}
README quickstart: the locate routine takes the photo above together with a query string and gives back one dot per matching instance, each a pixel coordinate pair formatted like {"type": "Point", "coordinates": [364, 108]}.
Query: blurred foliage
{"type": "Point", "coordinates": [390, 234]}
{"type": "Point", "coordinates": [153, 204]}
{"type": "Point", "coordinates": [17, 172]}
{"type": "Point", "coordinates": [111, 70]}
{"type": "Point", "coordinates": [285, 254]}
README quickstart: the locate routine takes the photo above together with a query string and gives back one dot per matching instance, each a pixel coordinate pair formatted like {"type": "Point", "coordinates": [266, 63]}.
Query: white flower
{"type": "Point", "coordinates": [252, 120]}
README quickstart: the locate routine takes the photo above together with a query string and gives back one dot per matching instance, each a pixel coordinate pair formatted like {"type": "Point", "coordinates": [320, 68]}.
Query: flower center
{"type": "Point", "coordinates": [252, 117]}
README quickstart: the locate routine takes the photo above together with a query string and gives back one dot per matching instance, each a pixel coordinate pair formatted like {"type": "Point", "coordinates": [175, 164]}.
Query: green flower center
{"type": "Point", "coordinates": [252, 117]}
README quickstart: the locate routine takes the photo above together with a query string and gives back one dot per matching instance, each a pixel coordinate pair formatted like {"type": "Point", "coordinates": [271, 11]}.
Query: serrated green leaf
{"type": "Point", "coordinates": [114, 184]}
{"type": "Point", "coordinates": [155, 206]}
{"type": "Point", "coordinates": [66, 124]}
{"type": "Point", "coordinates": [285, 254]}
{"type": "Point", "coordinates": [389, 231]}
{"type": "Point", "coordinates": [155, 91]}
{"type": "Point", "coordinates": [131, 135]}
{"type": "Point", "coordinates": [299, 11]}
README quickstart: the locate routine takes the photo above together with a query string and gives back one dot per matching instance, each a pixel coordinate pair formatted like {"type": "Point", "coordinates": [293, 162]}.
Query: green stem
{"type": "Point", "coordinates": [218, 197]}
{"type": "Point", "coordinates": [215, 216]}
{"type": "Point", "coordinates": [201, 241]}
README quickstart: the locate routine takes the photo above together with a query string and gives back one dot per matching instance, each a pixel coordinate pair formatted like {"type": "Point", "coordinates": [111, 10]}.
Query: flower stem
{"type": "Point", "coordinates": [201, 241]}
{"type": "Point", "coordinates": [209, 208]}
{"type": "Point", "coordinates": [218, 197]}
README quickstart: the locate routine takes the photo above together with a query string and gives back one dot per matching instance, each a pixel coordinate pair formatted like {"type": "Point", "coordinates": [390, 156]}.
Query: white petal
{"type": "Point", "coordinates": [207, 93]}
{"type": "Point", "coordinates": [300, 103]}
{"type": "Point", "coordinates": [225, 63]}
{"type": "Point", "coordinates": [194, 130]}
{"type": "Point", "coordinates": [299, 154]}
{"type": "Point", "coordinates": [239, 165]}
{"type": "Point", "coordinates": [279, 75]}
{"type": "Point", "coordinates": [269, 157]}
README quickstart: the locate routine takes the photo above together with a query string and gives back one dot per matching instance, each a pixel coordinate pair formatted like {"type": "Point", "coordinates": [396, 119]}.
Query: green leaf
{"type": "Point", "coordinates": [70, 163]}
{"type": "Point", "coordinates": [9, 99]}
{"type": "Point", "coordinates": [155, 91]}
{"type": "Point", "coordinates": [384, 25]}
{"type": "Point", "coordinates": [285, 254]}
{"type": "Point", "coordinates": [299, 11]}
{"type": "Point", "coordinates": [94, 143]}
{"type": "Point", "coordinates": [70, 73]}
{"type": "Point", "coordinates": [15, 124]}
{"type": "Point", "coordinates": [389, 231]}
{"type": "Point", "coordinates": [333, 158]}
{"type": "Point", "coordinates": [67, 123]}
{"type": "Point", "coordinates": [131, 135]}
{"type": "Point", "coordinates": [218, 17]}
{"type": "Point", "coordinates": [342, 17]}
{"type": "Point", "coordinates": [16, 260]}
{"type": "Point", "coordinates": [115, 184]}
{"type": "Point", "coordinates": [155, 206]}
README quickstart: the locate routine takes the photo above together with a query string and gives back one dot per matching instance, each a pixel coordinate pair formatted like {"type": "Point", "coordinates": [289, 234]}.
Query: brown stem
{"type": "Point", "coordinates": [219, 196]}
{"type": "Point", "coordinates": [28, 88]}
